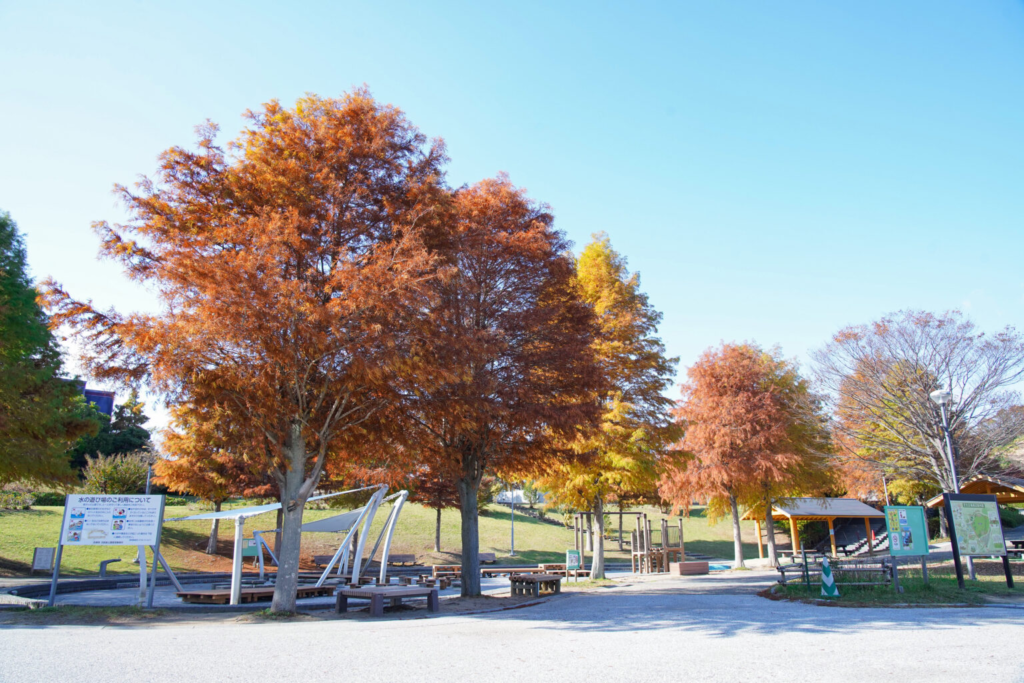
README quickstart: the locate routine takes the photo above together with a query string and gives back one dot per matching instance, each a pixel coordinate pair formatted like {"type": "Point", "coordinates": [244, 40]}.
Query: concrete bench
{"type": "Point", "coordinates": [401, 559]}
{"type": "Point", "coordinates": [378, 594]}
{"type": "Point", "coordinates": [488, 558]}
{"type": "Point", "coordinates": [535, 584]}
{"type": "Point", "coordinates": [103, 566]}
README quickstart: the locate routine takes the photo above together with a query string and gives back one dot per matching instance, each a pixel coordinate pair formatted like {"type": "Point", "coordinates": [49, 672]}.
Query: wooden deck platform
{"type": "Point", "coordinates": [223, 597]}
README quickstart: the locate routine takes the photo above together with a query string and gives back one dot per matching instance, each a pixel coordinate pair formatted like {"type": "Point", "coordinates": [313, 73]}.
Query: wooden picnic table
{"type": "Point", "coordinates": [394, 594]}
{"type": "Point", "coordinates": [1018, 544]}
{"type": "Point", "coordinates": [535, 584]}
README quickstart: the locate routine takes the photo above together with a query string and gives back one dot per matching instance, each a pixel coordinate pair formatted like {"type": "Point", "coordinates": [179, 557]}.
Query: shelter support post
{"type": "Point", "coordinates": [794, 536]}
{"type": "Point", "coordinates": [236, 565]}
{"type": "Point", "coordinates": [170, 574]}
{"type": "Point", "coordinates": [870, 541]}
{"type": "Point", "coordinates": [392, 523]}
{"type": "Point", "coordinates": [760, 548]}
{"type": "Point", "coordinates": [832, 536]}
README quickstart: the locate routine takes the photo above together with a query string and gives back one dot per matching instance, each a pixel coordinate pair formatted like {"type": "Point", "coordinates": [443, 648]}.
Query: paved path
{"type": "Point", "coordinates": [694, 629]}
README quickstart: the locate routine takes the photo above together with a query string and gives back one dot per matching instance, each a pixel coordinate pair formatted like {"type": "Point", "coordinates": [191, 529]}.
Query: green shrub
{"type": "Point", "coordinates": [174, 501]}
{"type": "Point", "coordinates": [49, 498]}
{"type": "Point", "coordinates": [1010, 517]}
{"type": "Point", "coordinates": [15, 500]}
{"type": "Point", "coordinates": [117, 474]}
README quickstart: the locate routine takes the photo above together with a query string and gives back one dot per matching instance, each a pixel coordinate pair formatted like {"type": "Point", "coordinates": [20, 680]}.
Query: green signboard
{"type": "Point", "coordinates": [907, 529]}
{"type": "Point", "coordinates": [572, 560]}
{"type": "Point", "coordinates": [976, 524]}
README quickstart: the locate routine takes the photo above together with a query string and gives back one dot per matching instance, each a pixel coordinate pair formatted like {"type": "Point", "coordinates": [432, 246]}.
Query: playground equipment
{"type": "Point", "coordinates": [348, 521]}
{"type": "Point", "coordinates": [646, 556]}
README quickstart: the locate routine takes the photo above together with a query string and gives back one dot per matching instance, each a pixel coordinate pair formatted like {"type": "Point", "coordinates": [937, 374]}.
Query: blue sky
{"type": "Point", "coordinates": [775, 171]}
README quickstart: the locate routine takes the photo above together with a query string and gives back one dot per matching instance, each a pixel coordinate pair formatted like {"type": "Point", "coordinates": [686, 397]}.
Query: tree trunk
{"type": "Point", "coordinates": [469, 485]}
{"type": "Point", "coordinates": [437, 533]}
{"type": "Point", "coordinates": [211, 545]}
{"type": "Point", "coordinates": [597, 563]}
{"type": "Point", "coordinates": [620, 527]}
{"type": "Point", "coordinates": [943, 523]}
{"type": "Point", "coordinates": [737, 537]}
{"type": "Point", "coordinates": [277, 534]}
{"type": "Point", "coordinates": [773, 559]}
{"type": "Point", "coordinates": [287, 582]}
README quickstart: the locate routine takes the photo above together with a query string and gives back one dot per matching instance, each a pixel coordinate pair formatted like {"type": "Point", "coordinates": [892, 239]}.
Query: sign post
{"type": "Point", "coordinates": [572, 563]}
{"type": "Point", "coordinates": [975, 530]}
{"type": "Point", "coordinates": [111, 520]}
{"type": "Point", "coordinates": [908, 536]}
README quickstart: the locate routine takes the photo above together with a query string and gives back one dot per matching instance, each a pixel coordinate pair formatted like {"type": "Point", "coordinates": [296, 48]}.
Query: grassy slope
{"type": "Point", "coordinates": [184, 542]}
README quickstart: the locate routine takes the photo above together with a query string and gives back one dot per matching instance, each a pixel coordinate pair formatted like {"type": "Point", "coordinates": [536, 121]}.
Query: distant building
{"type": "Point", "coordinates": [103, 400]}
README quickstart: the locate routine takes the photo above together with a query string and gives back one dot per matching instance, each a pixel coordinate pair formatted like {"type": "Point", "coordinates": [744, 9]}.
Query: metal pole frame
{"type": "Point", "coordinates": [342, 551]}
{"type": "Point", "coordinates": [357, 561]}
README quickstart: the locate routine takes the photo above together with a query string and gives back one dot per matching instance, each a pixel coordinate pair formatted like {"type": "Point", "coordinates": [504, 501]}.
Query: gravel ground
{"type": "Point", "coordinates": [695, 629]}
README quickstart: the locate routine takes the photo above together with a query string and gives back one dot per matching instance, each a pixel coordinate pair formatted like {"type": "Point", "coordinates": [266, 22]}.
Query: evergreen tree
{"type": "Point", "coordinates": [41, 410]}
{"type": "Point", "coordinates": [120, 434]}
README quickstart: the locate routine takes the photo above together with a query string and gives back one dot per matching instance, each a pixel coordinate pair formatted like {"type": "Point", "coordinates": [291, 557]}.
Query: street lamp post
{"type": "Point", "coordinates": [944, 397]}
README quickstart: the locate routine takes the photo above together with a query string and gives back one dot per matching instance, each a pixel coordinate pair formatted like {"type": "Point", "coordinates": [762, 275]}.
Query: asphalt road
{"type": "Point", "coordinates": [706, 629]}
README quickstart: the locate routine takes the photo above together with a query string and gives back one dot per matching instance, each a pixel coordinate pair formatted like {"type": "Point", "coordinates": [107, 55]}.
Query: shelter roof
{"type": "Point", "coordinates": [819, 508]}
{"type": "Point", "coordinates": [342, 522]}
{"type": "Point", "coordinates": [243, 513]}
{"type": "Point", "coordinates": [1005, 488]}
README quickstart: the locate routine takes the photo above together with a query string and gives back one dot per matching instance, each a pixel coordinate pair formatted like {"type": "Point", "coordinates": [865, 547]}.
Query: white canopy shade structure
{"type": "Point", "coordinates": [347, 521]}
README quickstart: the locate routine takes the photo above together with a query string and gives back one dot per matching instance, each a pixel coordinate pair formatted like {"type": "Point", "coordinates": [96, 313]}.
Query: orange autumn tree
{"type": "Point", "coordinates": [289, 268]}
{"type": "Point", "coordinates": [208, 461]}
{"type": "Point", "coordinates": [515, 337]}
{"type": "Point", "coordinates": [754, 434]}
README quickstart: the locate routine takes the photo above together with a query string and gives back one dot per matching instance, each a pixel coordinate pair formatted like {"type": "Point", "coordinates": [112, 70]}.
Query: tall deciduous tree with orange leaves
{"type": "Point", "coordinates": [290, 267]}
{"type": "Point", "coordinates": [514, 335]}
{"type": "Point", "coordinates": [754, 434]}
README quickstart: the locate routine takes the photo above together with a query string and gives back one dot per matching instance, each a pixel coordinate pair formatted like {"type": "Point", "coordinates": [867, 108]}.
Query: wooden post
{"type": "Point", "coordinates": [867, 529]}
{"type": "Point", "coordinates": [832, 537]}
{"type": "Point", "coordinates": [794, 536]}
{"type": "Point", "coordinates": [682, 547]}
{"type": "Point", "coordinates": [760, 548]}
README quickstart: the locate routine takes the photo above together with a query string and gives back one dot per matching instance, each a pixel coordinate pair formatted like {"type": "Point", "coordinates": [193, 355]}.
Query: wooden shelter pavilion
{"type": "Point", "coordinates": [1006, 489]}
{"type": "Point", "coordinates": [817, 510]}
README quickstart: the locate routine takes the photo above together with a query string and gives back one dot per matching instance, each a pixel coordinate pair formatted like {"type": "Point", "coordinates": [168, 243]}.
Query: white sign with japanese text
{"type": "Point", "coordinates": [112, 520]}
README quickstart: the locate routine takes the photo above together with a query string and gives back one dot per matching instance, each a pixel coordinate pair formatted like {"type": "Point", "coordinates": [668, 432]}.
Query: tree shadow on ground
{"type": "Point", "coordinates": [728, 615]}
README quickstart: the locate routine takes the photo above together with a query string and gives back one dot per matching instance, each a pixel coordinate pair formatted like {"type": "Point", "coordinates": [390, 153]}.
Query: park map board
{"type": "Point", "coordinates": [976, 524]}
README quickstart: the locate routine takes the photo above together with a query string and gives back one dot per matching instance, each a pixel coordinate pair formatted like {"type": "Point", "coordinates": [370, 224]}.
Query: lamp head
{"type": "Point", "coordinates": [942, 397]}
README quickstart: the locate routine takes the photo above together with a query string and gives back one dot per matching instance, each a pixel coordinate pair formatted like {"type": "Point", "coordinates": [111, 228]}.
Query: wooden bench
{"type": "Point", "coordinates": [452, 571]}
{"type": "Point", "coordinates": [322, 560]}
{"type": "Point", "coordinates": [378, 594]}
{"type": "Point", "coordinates": [488, 558]}
{"type": "Point", "coordinates": [223, 597]}
{"type": "Point", "coordinates": [535, 584]}
{"type": "Point", "coordinates": [560, 570]}
{"type": "Point", "coordinates": [401, 559]}
{"type": "Point", "coordinates": [491, 572]}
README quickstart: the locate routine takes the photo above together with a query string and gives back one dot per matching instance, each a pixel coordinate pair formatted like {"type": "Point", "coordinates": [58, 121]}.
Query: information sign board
{"type": "Point", "coordinates": [112, 520]}
{"type": "Point", "coordinates": [976, 525]}
{"type": "Point", "coordinates": [42, 559]}
{"type": "Point", "coordinates": [907, 529]}
{"type": "Point", "coordinates": [572, 560]}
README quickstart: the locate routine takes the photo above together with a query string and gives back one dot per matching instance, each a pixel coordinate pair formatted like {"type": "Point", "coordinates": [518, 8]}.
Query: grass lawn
{"type": "Point", "coordinates": [183, 543]}
{"type": "Point", "coordinates": [940, 589]}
